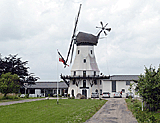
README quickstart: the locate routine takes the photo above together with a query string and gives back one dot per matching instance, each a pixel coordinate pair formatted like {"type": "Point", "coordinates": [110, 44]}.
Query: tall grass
{"type": "Point", "coordinates": [135, 106]}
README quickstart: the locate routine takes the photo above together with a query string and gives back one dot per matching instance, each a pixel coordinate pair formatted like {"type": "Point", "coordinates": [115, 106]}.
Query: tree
{"type": "Point", "coordinates": [15, 65]}
{"type": "Point", "coordinates": [9, 83]}
{"type": "Point", "coordinates": [149, 87]}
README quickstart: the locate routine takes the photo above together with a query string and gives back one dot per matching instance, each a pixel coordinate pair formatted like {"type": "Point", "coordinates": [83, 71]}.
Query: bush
{"type": "Point", "coordinates": [82, 97]}
{"type": "Point", "coordinates": [15, 97]}
{"type": "Point", "coordinates": [68, 95]}
{"type": "Point", "coordinates": [59, 95]}
{"type": "Point", "coordinates": [26, 96]}
{"type": "Point", "coordinates": [49, 95]}
{"type": "Point", "coordinates": [19, 94]}
{"type": "Point", "coordinates": [73, 97]}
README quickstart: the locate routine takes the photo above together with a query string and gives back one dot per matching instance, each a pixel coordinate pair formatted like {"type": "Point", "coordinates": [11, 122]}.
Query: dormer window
{"type": "Point", "coordinates": [91, 51]}
{"type": "Point", "coordinates": [84, 60]}
{"type": "Point", "coordinates": [78, 51]}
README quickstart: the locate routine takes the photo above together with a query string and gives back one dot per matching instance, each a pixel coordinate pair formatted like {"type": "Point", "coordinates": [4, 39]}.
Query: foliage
{"type": "Point", "coordinates": [68, 111]}
{"type": "Point", "coordinates": [135, 106]}
{"type": "Point", "coordinates": [148, 87]}
{"type": "Point", "coordinates": [26, 96]}
{"type": "Point", "coordinates": [15, 65]}
{"type": "Point", "coordinates": [9, 84]}
{"type": "Point", "coordinates": [82, 97]}
{"type": "Point", "coordinates": [59, 95]}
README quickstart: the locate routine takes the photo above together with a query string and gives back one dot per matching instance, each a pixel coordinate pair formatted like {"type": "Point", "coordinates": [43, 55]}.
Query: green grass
{"type": "Point", "coordinates": [135, 106]}
{"type": "Point", "coordinates": [67, 111]}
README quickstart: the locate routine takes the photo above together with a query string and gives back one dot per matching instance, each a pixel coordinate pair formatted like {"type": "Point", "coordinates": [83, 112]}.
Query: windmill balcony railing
{"type": "Point", "coordinates": [85, 77]}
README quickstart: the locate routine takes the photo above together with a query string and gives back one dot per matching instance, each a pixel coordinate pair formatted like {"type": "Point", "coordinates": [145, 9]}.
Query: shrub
{"type": "Point", "coordinates": [73, 97]}
{"type": "Point", "coordinates": [68, 95]}
{"type": "Point", "coordinates": [19, 94]}
{"type": "Point", "coordinates": [48, 95]}
{"type": "Point", "coordinates": [82, 97]}
{"type": "Point", "coordinates": [59, 95]}
{"type": "Point", "coordinates": [26, 96]}
{"type": "Point", "coordinates": [15, 97]}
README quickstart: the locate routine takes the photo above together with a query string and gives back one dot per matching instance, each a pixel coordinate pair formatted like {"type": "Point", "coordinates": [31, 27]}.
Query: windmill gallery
{"type": "Point", "coordinates": [85, 75]}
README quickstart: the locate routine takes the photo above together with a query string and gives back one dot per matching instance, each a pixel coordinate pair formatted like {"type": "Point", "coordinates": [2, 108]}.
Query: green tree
{"type": "Point", "coordinates": [149, 87]}
{"type": "Point", "coordinates": [9, 83]}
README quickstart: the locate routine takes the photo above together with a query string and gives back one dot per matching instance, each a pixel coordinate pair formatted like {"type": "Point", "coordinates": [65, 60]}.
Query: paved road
{"type": "Point", "coordinates": [27, 100]}
{"type": "Point", "coordinates": [114, 111]}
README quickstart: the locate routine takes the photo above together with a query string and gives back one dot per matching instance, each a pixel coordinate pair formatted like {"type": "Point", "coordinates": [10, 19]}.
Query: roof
{"type": "Point", "coordinates": [50, 85]}
{"type": "Point", "coordinates": [123, 77]}
{"type": "Point", "coordinates": [86, 39]}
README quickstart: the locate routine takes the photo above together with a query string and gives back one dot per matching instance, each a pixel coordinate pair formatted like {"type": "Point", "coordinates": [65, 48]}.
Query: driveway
{"type": "Point", "coordinates": [114, 111]}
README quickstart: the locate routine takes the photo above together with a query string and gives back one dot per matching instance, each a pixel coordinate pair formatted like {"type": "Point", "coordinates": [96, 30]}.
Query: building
{"type": "Point", "coordinates": [118, 83]}
{"type": "Point", "coordinates": [44, 88]}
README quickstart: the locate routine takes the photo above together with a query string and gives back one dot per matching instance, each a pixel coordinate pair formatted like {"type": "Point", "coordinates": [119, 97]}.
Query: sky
{"type": "Point", "coordinates": [35, 29]}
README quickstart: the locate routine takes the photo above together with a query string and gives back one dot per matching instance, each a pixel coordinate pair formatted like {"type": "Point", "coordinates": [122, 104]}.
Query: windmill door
{"type": "Point", "coordinates": [84, 92]}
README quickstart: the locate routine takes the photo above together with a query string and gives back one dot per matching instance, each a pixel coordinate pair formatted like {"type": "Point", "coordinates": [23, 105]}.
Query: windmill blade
{"type": "Point", "coordinates": [106, 25]}
{"type": "Point", "coordinates": [73, 32]}
{"type": "Point", "coordinates": [105, 33]}
{"type": "Point", "coordinates": [101, 23]}
{"type": "Point", "coordinates": [98, 27]}
{"type": "Point", "coordinates": [72, 53]}
{"type": "Point", "coordinates": [108, 29]}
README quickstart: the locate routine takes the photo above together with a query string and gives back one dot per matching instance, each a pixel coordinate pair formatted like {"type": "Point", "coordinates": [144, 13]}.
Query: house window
{"type": "Point", "coordinates": [78, 51]}
{"type": "Point", "coordinates": [91, 51]}
{"type": "Point", "coordinates": [123, 90]}
{"type": "Point", "coordinates": [84, 83]}
{"type": "Point", "coordinates": [113, 86]}
{"type": "Point", "coordinates": [84, 61]}
{"type": "Point", "coordinates": [94, 73]}
{"type": "Point", "coordinates": [127, 82]}
{"type": "Point", "coordinates": [100, 91]}
{"type": "Point", "coordinates": [84, 73]}
{"type": "Point", "coordinates": [100, 82]}
{"type": "Point", "coordinates": [74, 73]}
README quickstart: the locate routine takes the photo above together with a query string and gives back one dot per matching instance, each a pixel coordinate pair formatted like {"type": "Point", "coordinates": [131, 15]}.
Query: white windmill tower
{"type": "Point", "coordinates": [84, 78]}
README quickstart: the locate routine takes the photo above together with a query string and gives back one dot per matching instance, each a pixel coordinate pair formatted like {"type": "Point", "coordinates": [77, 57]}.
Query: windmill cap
{"type": "Point", "coordinates": [86, 39]}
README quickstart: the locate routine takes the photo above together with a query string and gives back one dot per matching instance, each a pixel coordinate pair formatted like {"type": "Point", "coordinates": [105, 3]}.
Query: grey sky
{"type": "Point", "coordinates": [36, 29]}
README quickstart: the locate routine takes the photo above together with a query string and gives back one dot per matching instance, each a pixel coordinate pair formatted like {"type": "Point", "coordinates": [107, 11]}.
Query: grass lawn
{"type": "Point", "coordinates": [67, 111]}
{"type": "Point", "coordinates": [135, 106]}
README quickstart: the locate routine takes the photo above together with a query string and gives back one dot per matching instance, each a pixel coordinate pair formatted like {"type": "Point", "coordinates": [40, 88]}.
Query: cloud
{"type": "Point", "coordinates": [36, 29]}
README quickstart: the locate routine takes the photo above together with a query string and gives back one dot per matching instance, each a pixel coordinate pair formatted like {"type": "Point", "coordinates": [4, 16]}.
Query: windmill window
{"type": "Point", "coordinates": [84, 60]}
{"type": "Point", "coordinates": [74, 73]}
{"type": "Point", "coordinates": [84, 83]}
{"type": "Point", "coordinates": [100, 91]}
{"type": "Point", "coordinates": [84, 73]}
{"type": "Point", "coordinates": [78, 51]}
{"type": "Point", "coordinates": [94, 73]}
{"type": "Point", "coordinates": [100, 82]}
{"type": "Point", "coordinates": [95, 82]}
{"type": "Point", "coordinates": [91, 51]}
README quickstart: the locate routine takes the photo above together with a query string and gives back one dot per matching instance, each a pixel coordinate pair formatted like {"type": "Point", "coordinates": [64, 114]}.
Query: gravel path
{"type": "Point", "coordinates": [114, 111]}
{"type": "Point", "coordinates": [26, 100]}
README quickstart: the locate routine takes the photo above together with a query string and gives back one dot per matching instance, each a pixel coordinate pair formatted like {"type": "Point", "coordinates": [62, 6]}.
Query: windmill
{"type": "Point", "coordinates": [82, 39]}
